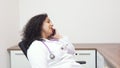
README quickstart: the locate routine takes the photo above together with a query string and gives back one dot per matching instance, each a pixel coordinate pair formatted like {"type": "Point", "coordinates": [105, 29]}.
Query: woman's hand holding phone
{"type": "Point", "coordinates": [55, 34]}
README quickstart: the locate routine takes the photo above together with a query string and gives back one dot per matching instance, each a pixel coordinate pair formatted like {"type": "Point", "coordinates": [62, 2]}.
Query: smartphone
{"type": "Point", "coordinates": [53, 32]}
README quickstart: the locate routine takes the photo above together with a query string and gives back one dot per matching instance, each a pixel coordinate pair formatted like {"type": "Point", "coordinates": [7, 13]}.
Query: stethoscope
{"type": "Point", "coordinates": [52, 56]}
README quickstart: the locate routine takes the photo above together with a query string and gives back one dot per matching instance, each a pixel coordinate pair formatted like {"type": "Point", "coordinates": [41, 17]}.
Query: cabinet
{"type": "Point", "coordinates": [18, 59]}
{"type": "Point", "coordinates": [88, 56]}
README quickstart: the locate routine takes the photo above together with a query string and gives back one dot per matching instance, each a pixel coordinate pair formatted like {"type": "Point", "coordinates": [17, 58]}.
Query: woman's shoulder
{"type": "Point", "coordinates": [36, 44]}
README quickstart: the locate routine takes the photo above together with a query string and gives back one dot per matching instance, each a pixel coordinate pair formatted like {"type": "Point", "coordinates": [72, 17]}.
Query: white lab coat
{"type": "Point", "coordinates": [38, 54]}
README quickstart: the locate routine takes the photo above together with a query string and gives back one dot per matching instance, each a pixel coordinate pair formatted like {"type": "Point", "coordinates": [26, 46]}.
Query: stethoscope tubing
{"type": "Point", "coordinates": [52, 56]}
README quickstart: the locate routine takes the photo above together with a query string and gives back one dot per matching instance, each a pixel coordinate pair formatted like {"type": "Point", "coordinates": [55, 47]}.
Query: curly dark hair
{"type": "Point", "coordinates": [33, 28]}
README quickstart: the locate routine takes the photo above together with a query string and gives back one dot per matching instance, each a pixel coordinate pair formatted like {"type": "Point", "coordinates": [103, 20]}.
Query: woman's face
{"type": "Point", "coordinates": [47, 27]}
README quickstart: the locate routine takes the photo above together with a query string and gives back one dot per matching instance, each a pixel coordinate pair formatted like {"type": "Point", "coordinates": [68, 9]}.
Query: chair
{"type": "Point", "coordinates": [23, 48]}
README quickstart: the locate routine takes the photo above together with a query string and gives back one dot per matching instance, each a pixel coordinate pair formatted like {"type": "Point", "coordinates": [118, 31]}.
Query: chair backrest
{"type": "Point", "coordinates": [23, 47]}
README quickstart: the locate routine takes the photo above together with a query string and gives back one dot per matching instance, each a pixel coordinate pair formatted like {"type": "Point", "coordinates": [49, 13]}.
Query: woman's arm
{"type": "Point", "coordinates": [37, 55]}
{"type": "Point", "coordinates": [65, 41]}
{"type": "Point", "coordinates": [67, 44]}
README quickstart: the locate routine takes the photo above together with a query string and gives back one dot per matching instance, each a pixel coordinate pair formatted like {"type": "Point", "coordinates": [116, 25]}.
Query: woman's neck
{"type": "Point", "coordinates": [44, 36]}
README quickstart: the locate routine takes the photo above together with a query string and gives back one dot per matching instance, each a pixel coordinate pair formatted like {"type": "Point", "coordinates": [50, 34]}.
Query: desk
{"type": "Point", "coordinates": [111, 52]}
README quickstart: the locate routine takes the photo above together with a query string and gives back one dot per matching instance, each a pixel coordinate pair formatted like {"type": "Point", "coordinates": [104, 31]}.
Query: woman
{"type": "Point", "coordinates": [45, 47]}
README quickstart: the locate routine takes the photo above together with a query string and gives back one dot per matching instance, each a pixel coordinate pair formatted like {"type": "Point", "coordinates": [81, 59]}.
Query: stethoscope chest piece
{"type": "Point", "coordinates": [52, 56]}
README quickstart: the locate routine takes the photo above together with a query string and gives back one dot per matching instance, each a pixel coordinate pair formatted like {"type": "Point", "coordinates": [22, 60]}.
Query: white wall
{"type": "Point", "coordinates": [84, 21]}
{"type": "Point", "coordinates": [9, 24]}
